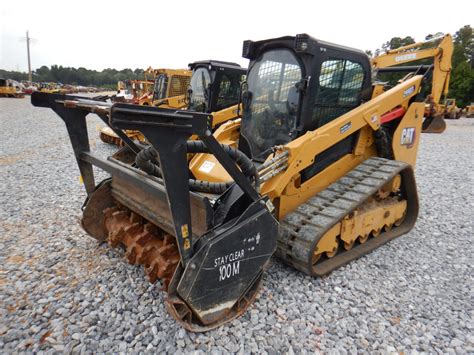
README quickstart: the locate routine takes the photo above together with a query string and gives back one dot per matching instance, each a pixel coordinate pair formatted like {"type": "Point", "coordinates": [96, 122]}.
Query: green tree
{"type": "Point", "coordinates": [397, 42]}
{"type": "Point", "coordinates": [462, 74]}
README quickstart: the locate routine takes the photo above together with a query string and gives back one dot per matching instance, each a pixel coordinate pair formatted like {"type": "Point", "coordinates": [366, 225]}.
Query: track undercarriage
{"type": "Point", "coordinates": [372, 204]}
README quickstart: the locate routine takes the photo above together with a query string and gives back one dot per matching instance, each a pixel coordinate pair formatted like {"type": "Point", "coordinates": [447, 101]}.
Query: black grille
{"type": "Point", "coordinates": [301, 42]}
{"type": "Point", "coordinates": [179, 85]}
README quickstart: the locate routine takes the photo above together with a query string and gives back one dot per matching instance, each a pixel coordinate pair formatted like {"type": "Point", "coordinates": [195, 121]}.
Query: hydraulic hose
{"type": "Point", "coordinates": [147, 160]}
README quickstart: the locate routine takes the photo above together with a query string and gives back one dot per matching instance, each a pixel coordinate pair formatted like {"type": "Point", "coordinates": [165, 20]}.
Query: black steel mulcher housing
{"type": "Point", "coordinates": [223, 251]}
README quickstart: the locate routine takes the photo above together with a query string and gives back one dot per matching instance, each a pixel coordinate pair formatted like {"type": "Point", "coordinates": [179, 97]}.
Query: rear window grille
{"type": "Point", "coordinates": [179, 85]}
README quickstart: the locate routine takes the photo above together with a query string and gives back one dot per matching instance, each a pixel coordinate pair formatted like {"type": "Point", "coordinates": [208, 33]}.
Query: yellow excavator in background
{"type": "Point", "coordinates": [440, 49]}
{"type": "Point", "coordinates": [212, 88]}
{"type": "Point", "coordinates": [318, 169]}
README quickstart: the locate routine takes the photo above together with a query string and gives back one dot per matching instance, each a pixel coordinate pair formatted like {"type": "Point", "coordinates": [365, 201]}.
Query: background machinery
{"type": "Point", "coordinates": [440, 49]}
{"type": "Point", "coordinates": [165, 84]}
{"type": "Point", "coordinates": [318, 170]}
{"type": "Point", "coordinates": [8, 89]}
{"type": "Point", "coordinates": [469, 110]}
{"type": "Point", "coordinates": [451, 111]}
{"type": "Point", "coordinates": [213, 87]}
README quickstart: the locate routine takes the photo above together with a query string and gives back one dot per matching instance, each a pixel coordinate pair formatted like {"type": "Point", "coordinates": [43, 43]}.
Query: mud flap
{"type": "Point", "coordinates": [227, 264]}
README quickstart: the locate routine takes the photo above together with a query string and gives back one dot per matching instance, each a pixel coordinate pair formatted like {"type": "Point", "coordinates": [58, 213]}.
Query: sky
{"type": "Point", "coordinates": [170, 34]}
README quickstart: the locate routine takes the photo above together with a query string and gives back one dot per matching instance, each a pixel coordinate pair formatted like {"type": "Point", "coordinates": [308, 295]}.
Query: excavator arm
{"type": "Point", "coordinates": [441, 55]}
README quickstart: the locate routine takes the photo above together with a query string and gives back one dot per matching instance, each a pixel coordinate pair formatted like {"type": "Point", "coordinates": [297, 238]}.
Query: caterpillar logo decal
{"type": "Point", "coordinates": [408, 137]}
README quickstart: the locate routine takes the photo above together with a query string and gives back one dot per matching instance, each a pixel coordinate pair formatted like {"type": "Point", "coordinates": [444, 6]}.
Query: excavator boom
{"type": "Point", "coordinates": [440, 49]}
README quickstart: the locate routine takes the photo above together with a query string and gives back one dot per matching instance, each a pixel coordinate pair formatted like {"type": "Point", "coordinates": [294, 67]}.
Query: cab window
{"type": "Point", "coordinates": [340, 85]}
{"type": "Point", "coordinates": [228, 92]}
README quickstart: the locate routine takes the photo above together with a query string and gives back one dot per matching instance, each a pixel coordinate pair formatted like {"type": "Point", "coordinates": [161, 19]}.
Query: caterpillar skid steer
{"type": "Point", "coordinates": [318, 170]}
{"type": "Point", "coordinates": [213, 88]}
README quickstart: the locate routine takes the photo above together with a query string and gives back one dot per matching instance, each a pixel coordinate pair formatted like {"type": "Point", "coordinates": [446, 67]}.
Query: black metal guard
{"type": "Point", "coordinates": [168, 131]}
{"type": "Point", "coordinates": [75, 121]}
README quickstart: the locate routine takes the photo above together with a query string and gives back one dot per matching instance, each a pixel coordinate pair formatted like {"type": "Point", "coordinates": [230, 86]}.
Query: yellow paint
{"type": "Point", "coordinates": [184, 231]}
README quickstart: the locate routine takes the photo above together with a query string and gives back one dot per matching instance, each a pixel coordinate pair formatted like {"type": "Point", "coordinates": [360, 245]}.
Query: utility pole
{"type": "Point", "coordinates": [29, 59]}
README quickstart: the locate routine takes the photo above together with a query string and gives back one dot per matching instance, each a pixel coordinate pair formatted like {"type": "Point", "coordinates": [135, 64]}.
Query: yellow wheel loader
{"type": "Point", "coordinates": [317, 171]}
{"type": "Point", "coordinates": [440, 50]}
{"type": "Point", "coordinates": [213, 87]}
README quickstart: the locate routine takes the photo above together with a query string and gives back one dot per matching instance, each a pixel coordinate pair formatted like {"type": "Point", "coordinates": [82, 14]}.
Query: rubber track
{"type": "Point", "coordinates": [302, 229]}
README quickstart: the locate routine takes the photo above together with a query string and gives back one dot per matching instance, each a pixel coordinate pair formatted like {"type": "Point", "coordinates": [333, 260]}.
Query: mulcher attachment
{"type": "Point", "coordinates": [209, 256]}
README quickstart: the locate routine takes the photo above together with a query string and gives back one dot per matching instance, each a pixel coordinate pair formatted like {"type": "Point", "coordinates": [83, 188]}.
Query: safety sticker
{"type": "Point", "coordinates": [207, 166]}
{"type": "Point", "coordinates": [345, 128]}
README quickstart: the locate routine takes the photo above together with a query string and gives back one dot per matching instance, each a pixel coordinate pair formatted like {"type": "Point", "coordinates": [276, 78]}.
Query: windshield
{"type": "Point", "coordinates": [199, 93]}
{"type": "Point", "coordinates": [159, 91]}
{"type": "Point", "coordinates": [271, 102]}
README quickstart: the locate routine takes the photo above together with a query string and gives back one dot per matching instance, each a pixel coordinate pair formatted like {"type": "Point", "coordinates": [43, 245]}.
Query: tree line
{"type": "Point", "coordinates": [77, 76]}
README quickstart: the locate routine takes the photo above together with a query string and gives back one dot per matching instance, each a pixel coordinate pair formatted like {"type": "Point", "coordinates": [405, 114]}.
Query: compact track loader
{"type": "Point", "coordinates": [213, 88]}
{"type": "Point", "coordinates": [318, 171]}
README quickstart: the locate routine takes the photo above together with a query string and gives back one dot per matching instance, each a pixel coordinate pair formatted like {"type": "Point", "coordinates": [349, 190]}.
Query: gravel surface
{"type": "Point", "coordinates": [61, 291]}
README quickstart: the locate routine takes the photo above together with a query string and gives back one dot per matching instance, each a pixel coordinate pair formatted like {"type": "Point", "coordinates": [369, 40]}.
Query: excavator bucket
{"type": "Point", "coordinates": [434, 124]}
{"type": "Point", "coordinates": [209, 251]}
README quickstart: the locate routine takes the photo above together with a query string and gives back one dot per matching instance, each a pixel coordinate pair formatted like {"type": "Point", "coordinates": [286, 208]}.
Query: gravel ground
{"type": "Point", "coordinates": [61, 291]}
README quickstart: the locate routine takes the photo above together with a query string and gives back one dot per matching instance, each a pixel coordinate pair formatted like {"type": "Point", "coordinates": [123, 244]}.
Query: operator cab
{"type": "Point", "coordinates": [169, 85]}
{"type": "Point", "coordinates": [297, 84]}
{"type": "Point", "coordinates": [215, 85]}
